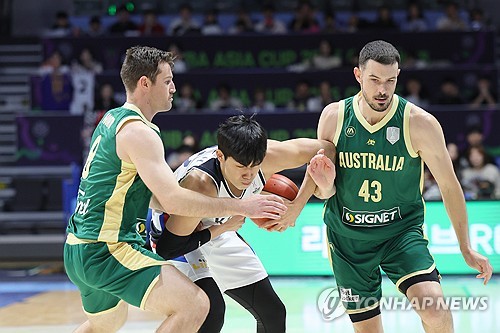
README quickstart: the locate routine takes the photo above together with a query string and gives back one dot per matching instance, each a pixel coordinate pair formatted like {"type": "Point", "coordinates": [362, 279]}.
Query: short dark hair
{"type": "Point", "coordinates": [243, 139]}
{"type": "Point", "coordinates": [380, 51]}
{"type": "Point", "coordinates": [143, 60]}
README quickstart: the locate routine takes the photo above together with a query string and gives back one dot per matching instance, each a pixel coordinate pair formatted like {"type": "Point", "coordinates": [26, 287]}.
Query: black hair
{"type": "Point", "coordinates": [243, 139]}
{"type": "Point", "coordinates": [379, 51]}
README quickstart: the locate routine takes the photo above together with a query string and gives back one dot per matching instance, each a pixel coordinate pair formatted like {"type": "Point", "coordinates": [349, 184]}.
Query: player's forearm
{"type": "Point", "coordinates": [306, 190]}
{"type": "Point", "coordinates": [454, 202]}
{"type": "Point", "coordinates": [189, 203]}
{"type": "Point", "coordinates": [325, 193]}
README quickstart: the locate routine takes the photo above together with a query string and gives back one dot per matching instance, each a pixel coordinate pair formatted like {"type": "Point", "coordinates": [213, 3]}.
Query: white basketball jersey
{"type": "Point", "coordinates": [207, 162]}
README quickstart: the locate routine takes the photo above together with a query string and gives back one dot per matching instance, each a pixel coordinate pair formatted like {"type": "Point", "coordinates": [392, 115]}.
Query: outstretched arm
{"type": "Point", "coordinates": [428, 141]}
{"type": "Point", "coordinates": [291, 154]}
{"type": "Point", "coordinates": [139, 145]}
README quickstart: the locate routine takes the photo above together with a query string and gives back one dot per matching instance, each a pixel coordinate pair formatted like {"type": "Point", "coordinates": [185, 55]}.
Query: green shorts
{"type": "Point", "coordinates": [356, 265]}
{"type": "Point", "coordinates": [106, 273]}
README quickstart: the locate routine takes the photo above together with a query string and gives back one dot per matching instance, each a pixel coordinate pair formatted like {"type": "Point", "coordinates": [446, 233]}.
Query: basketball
{"type": "Point", "coordinates": [281, 186]}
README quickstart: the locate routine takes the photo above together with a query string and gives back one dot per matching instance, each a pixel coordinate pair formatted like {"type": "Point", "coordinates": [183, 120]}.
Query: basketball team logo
{"type": "Point", "coordinates": [329, 304]}
{"type": "Point", "coordinates": [350, 131]}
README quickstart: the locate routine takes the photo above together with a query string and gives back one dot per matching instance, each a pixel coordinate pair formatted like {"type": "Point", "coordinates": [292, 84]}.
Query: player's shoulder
{"type": "Point", "coordinates": [199, 181]}
{"type": "Point", "coordinates": [422, 122]}
{"type": "Point", "coordinates": [420, 117]}
{"type": "Point", "coordinates": [331, 110]}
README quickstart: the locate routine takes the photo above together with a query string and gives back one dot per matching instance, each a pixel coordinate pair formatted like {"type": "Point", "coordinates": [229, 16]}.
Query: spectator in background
{"type": "Point", "coordinates": [150, 25]}
{"type": "Point", "coordinates": [269, 23]}
{"type": "Point", "coordinates": [481, 180]}
{"type": "Point", "coordinates": [451, 21]}
{"type": "Point", "coordinates": [317, 103]}
{"type": "Point", "coordinates": [187, 101]}
{"type": "Point", "coordinates": [56, 85]}
{"type": "Point", "coordinates": [86, 63]}
{"type": "Point", "coordinates": [61, 27]}
{"type": "Point", "coordinates": [324, 59]}
{"type": "Point", "coordinates": [330, 24]}
{"type": "Point", "coordinates": [224, 100]}
{"type": "Point", "coordinates": [301, 97]}
{"type": "Point", "coordinates": [415, 21]}
{"type": "Point", "coordinates": [414, 92]}
{"type": "Point", "coordinates": [260, 103]}
{"type": "Point", "coordinates": [477, 20]}
{"type": "Point", "coordinates": [124, 24]}
{"type": "Point", "coordinates": [211, 24]}
{"type": "Point", "coordinates": [384, 21]}
{"type": "Point", "coordinates": [188, 147]}
{"type": "Point", "coordinates": [184, 24]}
{"type": "Point", "coordinates": [95, 27]}
{"type": "Point", "coordinates": [431, 188]}
{"type": "Point", "coordinates": [483, 94]}
{"type": "Point", "coordinates": [181, 65]}
{"type": "Point", "coordinates": [449, 93]}
{"type": "Point", "coordinates": [243, 23]}
{"type": "Point", "coordinates": [304, 20]}
{"type": "Point", "coordinates": [105, 100]}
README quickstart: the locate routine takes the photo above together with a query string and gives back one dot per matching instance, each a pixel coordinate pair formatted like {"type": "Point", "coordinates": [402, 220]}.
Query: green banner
{"type": "Point", "coordinates": [302, 250]}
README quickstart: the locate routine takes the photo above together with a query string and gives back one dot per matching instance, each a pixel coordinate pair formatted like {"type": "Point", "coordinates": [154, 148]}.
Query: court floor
{"type": "Point", "coordinates": [31, 302]}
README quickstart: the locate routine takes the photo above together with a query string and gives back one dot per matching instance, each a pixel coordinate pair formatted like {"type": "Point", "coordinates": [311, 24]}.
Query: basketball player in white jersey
{"type": "Point", "coordinates": [217, 258]}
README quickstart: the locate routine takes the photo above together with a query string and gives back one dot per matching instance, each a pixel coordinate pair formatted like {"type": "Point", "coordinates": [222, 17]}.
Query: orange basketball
{"type": "Point", "coordinates": [281, 186]}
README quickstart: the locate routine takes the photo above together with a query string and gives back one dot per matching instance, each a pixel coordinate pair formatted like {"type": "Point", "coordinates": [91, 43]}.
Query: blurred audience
{"type": "Point", "coordinates": [211, 24]}
{"type": "Point", "coordinates": [124, 24]}
{"type": "Point", "coordinates": [243, 23]}
{"type": "Point", "coordinates": [451, 20]}
{"type": "Point", "coordinates": [481, 180]}
{"type": "Point", "coordinates": [269, 23]}
{"type": "Point", "coordinates": [224, 100]}
{"type": "Point", "coordinates": [186, 100]}
{"type": "Point", "coordinates": [415, 21]}
{"type": "Point", "coordinates": [185, 24]}
{"type": "Point", "coordinates": [483, 94]}
{"type": "Point", "coordinates": [150, 25]}
{"type": "Point", "coordinates": [86, 63]}
{"type": "Point", "coordinates": [260, 103]}
{"type": "Point", "coordinates": [304, 20]}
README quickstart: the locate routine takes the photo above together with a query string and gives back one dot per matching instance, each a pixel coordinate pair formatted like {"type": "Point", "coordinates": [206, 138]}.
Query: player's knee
{"type": "Point", "coordinates": [273, 316]}
{"type": "Point", "coordinates": [435, 315]}
{"type": "Point", "coordinates": [200, 306]}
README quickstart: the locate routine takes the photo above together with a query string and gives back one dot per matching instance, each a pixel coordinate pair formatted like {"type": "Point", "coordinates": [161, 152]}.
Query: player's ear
{"type": "Point", "coordinates": [357, 74]}
{"type": "Point", "coordinates": [220, 155]}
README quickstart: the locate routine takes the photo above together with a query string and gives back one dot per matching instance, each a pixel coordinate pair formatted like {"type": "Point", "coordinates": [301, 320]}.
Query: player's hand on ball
{"type": "Point", "coordinates": [263, 206]}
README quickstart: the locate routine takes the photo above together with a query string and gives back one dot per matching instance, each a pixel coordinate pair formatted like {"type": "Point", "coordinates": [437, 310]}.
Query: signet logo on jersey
{"type": "Point", "coordinates": [392, 134]}
{"type": "Point", "coordinates": [370, 219]}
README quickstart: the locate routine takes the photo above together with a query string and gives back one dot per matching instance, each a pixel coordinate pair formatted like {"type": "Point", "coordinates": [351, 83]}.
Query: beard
{"type": "Point", "coordinates": [376, 106]}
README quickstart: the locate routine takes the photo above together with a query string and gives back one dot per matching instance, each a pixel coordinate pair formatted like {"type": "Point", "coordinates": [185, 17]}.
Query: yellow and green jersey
{"type": "Point", "coordinates": [379, 175]}
{"type": "Point", "coordinates": [112, 201]}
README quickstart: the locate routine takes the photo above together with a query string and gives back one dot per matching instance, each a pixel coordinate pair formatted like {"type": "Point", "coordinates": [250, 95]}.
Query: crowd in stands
{"type": "Point", "coordinates": [477, 171]}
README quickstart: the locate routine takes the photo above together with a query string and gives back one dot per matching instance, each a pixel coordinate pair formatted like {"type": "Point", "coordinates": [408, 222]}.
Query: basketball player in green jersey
{"type": "Point", "coordinates": [375, 212]}
{"type": "Point", "coordinates": [103, 253]}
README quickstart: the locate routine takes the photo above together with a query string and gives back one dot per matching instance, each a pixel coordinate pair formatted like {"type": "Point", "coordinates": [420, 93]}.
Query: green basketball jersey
{"type": "Point", "coordinates": [112, 201]}
{"type": "Point", "coordinates": [379, 175]}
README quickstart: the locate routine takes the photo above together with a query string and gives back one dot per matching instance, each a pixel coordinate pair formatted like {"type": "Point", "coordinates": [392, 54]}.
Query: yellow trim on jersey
{"type": "Point", "coordinates": [113, 209]}
{"type": "Point", "coordinates": [406, 131]}
{"type": "Point", "coordinates": [422, 178]}
{"type": "Point", "coordinates": [148, 291]}
{"type": "Point", "coordinates": [113, 309]}
{"type": "Point", "coordinates": [131, 258]}
{"type": "Point", "coordinates": [340, 122]}
{"type": "Point", "coordinates": [373, 128]}
{"type": "Point", "coordinates": [406, 277]}
{"type": "Point", "coordinates": [132, 107]}
{"type": "Point", "coordinates": [124, 120]}
{"type": "Point", "coordinates": [71, 239]}
{"type": "Point", "coordinates": [368, 308]}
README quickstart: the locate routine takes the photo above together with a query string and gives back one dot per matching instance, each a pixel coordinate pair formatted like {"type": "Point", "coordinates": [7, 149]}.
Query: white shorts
{"type": "Point", "coordinates": [228, 259]}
